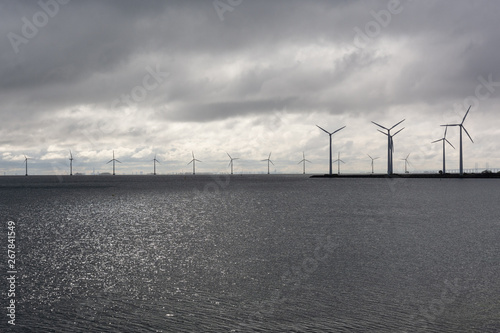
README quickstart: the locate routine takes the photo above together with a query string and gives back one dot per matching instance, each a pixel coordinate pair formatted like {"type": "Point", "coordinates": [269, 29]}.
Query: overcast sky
{"type": "Point", "coordinates": [246, 77]}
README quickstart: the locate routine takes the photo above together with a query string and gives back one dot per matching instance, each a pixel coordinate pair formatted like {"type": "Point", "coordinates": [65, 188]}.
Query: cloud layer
{"type": "Point", "coordinates": [171, 77]}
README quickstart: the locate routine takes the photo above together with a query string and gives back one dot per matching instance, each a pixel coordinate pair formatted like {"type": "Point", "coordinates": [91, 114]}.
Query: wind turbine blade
{"type": "Point", "coordinates": [438, 140]}
{"type": "Point", "coordinates": [376, 158]}
{"type": "Point", "coordinates": [324, 130]}
{"type": "Point", "coordinates": [342, 161]}
{"type": "Point", "coordinates": [445, 130]}
{"type": "Point", "coordinates": [117, 161]}
{"type": "Point", "coordinates": [263, 160]}
{"type": "Point", "coordinates": [197, 160]}
{"type": "Point", "coordinates": [237, 158]}
{"type": "Point", "coordinates": [468, 134]}
{"type": "Point", "coordinates": [451, 125]}
{"type": "Point", "coordinates": [229, 155]}
{"type": "Point", "coordinates": [190, 162]}
{"type": "Point", "coordinates": [109, 162]}
{"type": "Point", "coordinates": [466, 114]}
{"type": "Point", "coordinates": [338, 130]}
{"type": "Point", "coordinates": [271, 162]}
{"type": "Point", "coordinates": [370, 156]}
{"type": "Point", "coordinates": [398, 131]}
{"type": "Point", "coordinates": [308, 161]}
{"type": "Point", "coordinates": [408, 156]}
{"type": "Point", "coordinates": [382, 132]}
{"type": "Point", "coordinates": [270, 155]}
{"type": "Point", "coordinates": [450, 143]}
{"type": "Point", "coordinates": [301, 162]}
{"type": "Point", "coordinates": [380, 126]}
{"type": "Point", "coordinates": [397, 124]}
{"type": "Point", "coordinates": [229, 163]}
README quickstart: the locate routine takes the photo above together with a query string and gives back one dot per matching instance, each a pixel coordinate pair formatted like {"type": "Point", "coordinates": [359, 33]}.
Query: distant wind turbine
{"type": "Point", "coordinates": [194, 160]}
{"type": "Point", "coordinates": [406, 162]}
{"type": "Point", "coordinates": [70, 163]}
{"type": "Point", "coordinates": [304, 163]}
{"type": "Point", "coordinates": [330, 134]}
{"type": "Point", "coordinates": [338, 160]}
{"type": "Point", "coordinates": [231, 161]}
{"type": "Point", "coordinates": [444, 148]}
{"type": "Point", "coordinates": [390, 144]}
{"type": "Point", "coordinates": [461, 125]}
{"type": "Point", "coordinates": [113, 160]}
{"type": "Point", "coordinates": [268, 161]}
{"type": "Point", "coordinates": [154, 165]}
{"type": "Point", "coordinates": [26, 162]}
{"type": "Point", "coordinates": [373, 159]}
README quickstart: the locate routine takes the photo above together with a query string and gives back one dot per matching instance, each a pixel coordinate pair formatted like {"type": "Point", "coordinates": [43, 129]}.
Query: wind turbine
{"type": "Point", "coordinates": [70, 163]}
{"type": "Point", "coordinates": [113, 160]}
{"type": "Point", "coordinates": [154, 165]}
{"type": "Point", "coordinates": [268, 161]}
{"type": "Point", "coordinates": [406, 162]}
{"type": "Point", "coordinates": [330, 134]}
{"type": "Point", "coordinates": [461, 125]}
{"type": "Point", "coordinates": [338, 160]}
{"type": "Point", "coordinates": [373, 159]}
{"type": "Point", "coordinates": [26, 162]}
{"type": "Point", "coordinates": [231, 161]}
{"type": "Point", "coordinates": [304, 162]}
{"type": "Point", "coordinates": [444, 148]}
{"type": "Point", "coordinates": [390, 144]}
{"type": "Point", "coordinates": [194, 160]}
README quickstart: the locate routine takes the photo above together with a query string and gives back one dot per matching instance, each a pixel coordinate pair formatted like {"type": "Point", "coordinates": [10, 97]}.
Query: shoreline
{"type": "Point", "coordinates": [412, 175]}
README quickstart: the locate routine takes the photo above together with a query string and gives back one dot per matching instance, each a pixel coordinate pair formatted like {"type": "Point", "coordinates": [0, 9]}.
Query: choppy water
{"type": "Point", "coordinates": [253, 254]}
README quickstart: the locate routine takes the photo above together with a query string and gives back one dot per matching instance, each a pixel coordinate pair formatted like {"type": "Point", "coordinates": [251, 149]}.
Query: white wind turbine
{"type": "Point", "coordinates": [406, 162]}
{"type": "Point", "coordinates": [231, 161]}
{"type": "Point", "coordinates": [444, 148]}
{"type": "Point", "coordinates": [304, 163]}
{"type": "Point", "coordinates": [268, 161]}
{"type": "Point", "coordinates": [461, 125]}
{"type": "Point", "coordinates": [338, 160]}
{"type": "Point", "coordinates": [113, 160]}
{"type": "Point", "coordinates": [330, 134]}
{"type": "Point", "coordinates": [390, 144]}
{"type": "Point", "coordinates": [194, 160]}
{"type": "Point", "coordinates": [373, 159]}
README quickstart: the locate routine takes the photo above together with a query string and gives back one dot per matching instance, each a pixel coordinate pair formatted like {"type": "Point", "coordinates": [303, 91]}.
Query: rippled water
{"type": "Point", "coordinates": [254, 253]}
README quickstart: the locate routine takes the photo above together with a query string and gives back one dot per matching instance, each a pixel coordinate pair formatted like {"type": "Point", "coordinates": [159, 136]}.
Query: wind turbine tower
{"type": "Point", "coordinates": [194, 160]}
{"type": "Point", "coordinates": [304, 163]}
{"type": "Point", "coordinates": [444, 148]}
{"type": "Point", "coordinates": [406, 162]}
{"type": "Point", "coordinates": [268, 161]}
{"type": "Point", "coordinates": [70, 163]}
{"type": "Point", "coordinates": [26, 163]}
{"type": "Point", "coordinates": [154, 165]}
{"type": "Point", "coordinates": [330, 134]}
{"type": "Point", "coordinates": [338, 160]}
{"type": "Point", "coordinates": [113, 160]}
{"type": "Point", "coordinates": [390, 144]}
{"type": "Point", "coordinates": [461, 125]}
{"type": "Point", "coordinates": [231, 161]}
{"type": "Point", "coordinates": [373, 159]}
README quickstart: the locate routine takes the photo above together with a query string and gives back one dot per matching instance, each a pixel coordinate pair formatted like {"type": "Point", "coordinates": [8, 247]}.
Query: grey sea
{"type": "Point", "coordinates": [251, 254]}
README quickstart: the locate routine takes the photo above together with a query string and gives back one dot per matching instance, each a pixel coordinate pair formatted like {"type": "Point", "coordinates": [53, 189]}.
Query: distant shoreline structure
{"type": "Point", "coordinates": [413, 175]}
